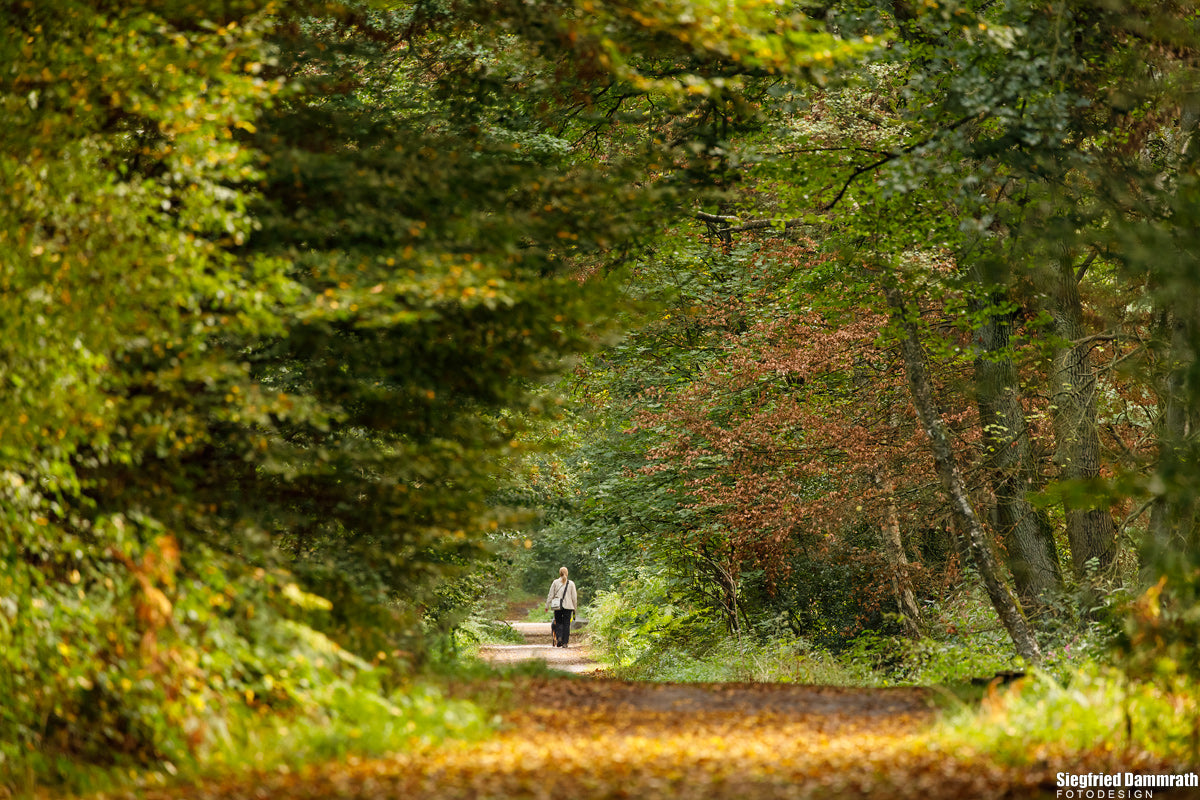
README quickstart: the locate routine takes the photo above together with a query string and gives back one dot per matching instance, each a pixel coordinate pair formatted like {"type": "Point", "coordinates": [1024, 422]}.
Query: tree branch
{"type": "Point", "coordinates": [890, 157]}
{"type": "Point", "coordinates": [760, 224]}
{"type": "Point", "coordinates": [1082, 269]}
{"type": "Point", "coordinates": [749, 225]}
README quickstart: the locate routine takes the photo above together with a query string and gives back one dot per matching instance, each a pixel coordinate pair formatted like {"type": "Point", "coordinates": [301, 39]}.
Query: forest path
{"type": "Point", "coordinates": [576, 658]}
{"type": "Point", "coordinates": [603, 738]}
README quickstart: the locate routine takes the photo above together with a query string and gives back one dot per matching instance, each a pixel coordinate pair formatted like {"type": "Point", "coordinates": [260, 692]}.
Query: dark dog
{"type": "Point", "coordinates": [554, 634]}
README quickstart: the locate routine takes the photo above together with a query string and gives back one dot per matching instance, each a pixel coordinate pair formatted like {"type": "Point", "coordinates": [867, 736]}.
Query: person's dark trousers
{"type": "Point", "coordinates": [562, 624]}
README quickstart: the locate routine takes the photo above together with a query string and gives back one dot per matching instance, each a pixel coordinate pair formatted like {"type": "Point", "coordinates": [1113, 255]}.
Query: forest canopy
{"type": "Point", "coordinates": [798, 319]}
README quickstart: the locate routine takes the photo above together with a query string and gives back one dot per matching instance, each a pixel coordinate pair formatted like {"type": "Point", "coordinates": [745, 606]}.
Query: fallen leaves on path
{"type": "Point", "coordinates": [617, 739]}
{"type": "Point", "coordinates": [572, 739]}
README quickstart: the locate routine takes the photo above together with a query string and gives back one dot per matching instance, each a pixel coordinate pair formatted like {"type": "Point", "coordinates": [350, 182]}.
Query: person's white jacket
{"type": "Point", "coordinates": [569, 598]}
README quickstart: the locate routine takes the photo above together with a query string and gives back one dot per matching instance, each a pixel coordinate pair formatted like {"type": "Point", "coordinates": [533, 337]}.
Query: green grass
{"type": "Point", "coordinates": [727, 660]}
{"type": "Point", "coordinates": [357, 722]}
{"type": "Point", "coordinates": [539, 613]}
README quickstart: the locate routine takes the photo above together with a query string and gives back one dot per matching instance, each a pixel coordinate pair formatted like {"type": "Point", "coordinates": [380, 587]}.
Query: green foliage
{"type": "Point", "coordinates": [724, 659]}
{"type": "Point", "coordinates": [126, 634]}
{"type": "Point", "coordinates": [964, 644]}
{"type": "Point", "coordinates": [539, 614]}
{"type": "Point", "coordinates": [283, 284]}
{"type": "Point", "coordinates": [343, 719]}
{"type": "Point", "coordinates": [951, 661]}
{"type": "Point", "coordinates": [643, 635]}
{"type": "Point", "coordinates": [627, 623]}
{"type": "Point", "coordinates": [360, 720]}
{"type": "Point", "coordinates": [1096, 710]}
{"type": "Point", "coordinates": [477, 631]}
{"type": "Point", "coordinates": [161, 686]}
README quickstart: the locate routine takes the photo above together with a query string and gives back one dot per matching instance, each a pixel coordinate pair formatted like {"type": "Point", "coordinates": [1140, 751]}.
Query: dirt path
{"type": "Point", "coordinates": [615, 739]}
{"type": "Point", "coordinates": [576, 658]}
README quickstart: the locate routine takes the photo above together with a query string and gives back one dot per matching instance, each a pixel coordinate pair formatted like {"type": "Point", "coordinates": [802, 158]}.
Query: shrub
{"type": "Point", "coordinates": [1096, 710]}
{"type": "Point", "coordinates": [643, 634]}
{"type": "Point", "coordinates": [147, 660]}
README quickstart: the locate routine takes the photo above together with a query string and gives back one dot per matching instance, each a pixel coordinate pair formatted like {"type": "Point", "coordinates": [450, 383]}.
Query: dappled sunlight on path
{"type": "Point", "coordinates": [577, 658]}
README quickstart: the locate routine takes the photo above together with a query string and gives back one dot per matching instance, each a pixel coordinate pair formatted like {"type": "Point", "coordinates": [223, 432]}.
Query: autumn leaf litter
{"type": "Point", "coordinates": [575, 737]}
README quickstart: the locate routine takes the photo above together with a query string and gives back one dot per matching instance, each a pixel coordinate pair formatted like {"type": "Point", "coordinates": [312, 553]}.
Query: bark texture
{"type": "Point", "coordinates": [893, 547]}
{"type": "Point", "coordinates": [1091, 532]}
{"type": "Point", "coordinates": [1011, 465]}
{"type": "Point", "coordinates": [961, 508]}
{"type": "Point", "coordinates": [1172, 516]}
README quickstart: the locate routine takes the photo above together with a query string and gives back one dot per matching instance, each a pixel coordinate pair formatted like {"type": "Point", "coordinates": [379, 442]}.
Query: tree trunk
{"type": "Point", "coordinates": [1026, 532]}
{"type": "Point", "coordinates": [1173, 512]}
{"type": "Point", "coordinates": [893, 547]}
{"type": "Point", "coordinates": [1091, 532]}
{"type": "Point", "coordinates": [967, 522]}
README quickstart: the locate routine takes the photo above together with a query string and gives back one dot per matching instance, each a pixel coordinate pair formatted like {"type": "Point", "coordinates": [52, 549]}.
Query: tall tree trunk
{"type": "Point", "coordinates": [1173, 513]}
{"type": "Point", "coordinates": [893, 547]}
{"type": "Point", "coordinates": [1026, 532]}
{"type": "Point", "coordinates": [1091, 532]}
{"type": "Point", "coordinates": [967, 522]}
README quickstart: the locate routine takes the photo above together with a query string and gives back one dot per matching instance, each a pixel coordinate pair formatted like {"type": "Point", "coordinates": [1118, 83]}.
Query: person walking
{"type": "Point", "coordinates": [562, 599]}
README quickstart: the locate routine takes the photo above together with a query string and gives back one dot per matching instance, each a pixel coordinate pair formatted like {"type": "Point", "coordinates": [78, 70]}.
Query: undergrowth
{"type": "Point", "coordinates": [1097, 711]}
{"type": "Point", "coordinates": [644, 634]}
{"type": "Point", "coordinates": [641, 635]}
{"type": "Point", "coordinates": [292, 696]}
{"type": "Point", "coordinates": [347, 718]}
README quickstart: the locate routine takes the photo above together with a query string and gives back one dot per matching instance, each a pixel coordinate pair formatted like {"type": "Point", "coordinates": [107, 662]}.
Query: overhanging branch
{"type": "Point", "coordinates": [732, 224]}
